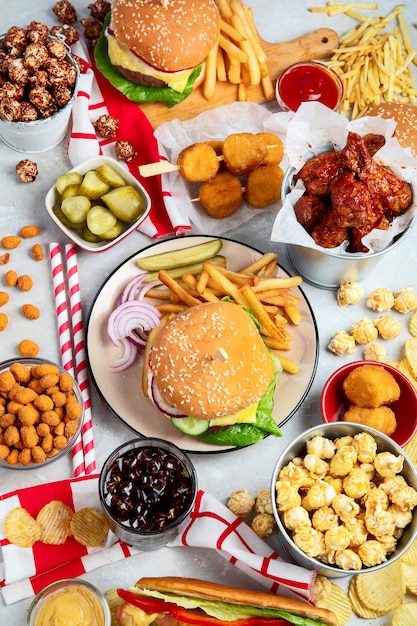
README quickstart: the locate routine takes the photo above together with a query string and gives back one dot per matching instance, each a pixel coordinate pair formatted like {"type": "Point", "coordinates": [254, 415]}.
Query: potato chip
{"type": "Point", "coordinates": [404, 368]}
{"type": "Point", "coordinates": [410, 555]}
{"type": "Point", "coordinates": [405, 615]}
{"type": "Point", "coordinates": [114, 601]}
{"type": "Point", "coordinates": [410, 577]}
{"type": "Point", "coordinates": [338, 602]}
{"type": "Point", "coordinates": [360, 609]}
{"type": "Point", "coordinates": [55, 518]}
{"type": "Point", "coordinates": [410, 448]}
{"type": "Point", "coordinates": [89, 527]}
{"type": "Point", "coordinates": [412, 325]}
{"type": "Point", "coordinates": [410, 352]}
{"type": "Point", "coordinates": [372, 588]}
{"type": "Point", "coordinates": [21, 528]}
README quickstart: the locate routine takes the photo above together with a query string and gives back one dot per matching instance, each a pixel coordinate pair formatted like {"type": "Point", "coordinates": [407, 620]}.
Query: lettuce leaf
{"type": "Point", "coordinates": [133, 91]}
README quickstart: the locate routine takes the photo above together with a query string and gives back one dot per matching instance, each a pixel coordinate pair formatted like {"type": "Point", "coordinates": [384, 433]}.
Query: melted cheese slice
{"type": "Point", "coordinates": [119, 54]}
{"type": "Point", "coordinates": [246, 416]}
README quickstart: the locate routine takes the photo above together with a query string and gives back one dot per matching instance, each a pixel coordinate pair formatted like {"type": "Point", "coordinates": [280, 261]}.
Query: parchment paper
{"type": "Point", "coordinates": [175, 135]}
{"type": "Point", "coordinates": [314, 129]}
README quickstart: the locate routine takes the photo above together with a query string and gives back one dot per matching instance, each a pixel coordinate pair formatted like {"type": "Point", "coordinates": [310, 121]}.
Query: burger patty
{"type": "Point", "coordinates": [139, 78]}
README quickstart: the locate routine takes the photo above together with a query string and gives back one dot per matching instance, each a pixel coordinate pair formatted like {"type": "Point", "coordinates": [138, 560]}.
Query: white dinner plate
{"type": "Point", "coordinates": [122, 392]}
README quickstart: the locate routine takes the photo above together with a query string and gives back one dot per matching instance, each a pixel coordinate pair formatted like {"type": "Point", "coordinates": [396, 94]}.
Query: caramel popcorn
{"type": "Point", "coordinates": [342, 343]}
{"type": "Point", "coordinates": [263, 502]}
{"type": "Point", "coordinates": [99, 9]}
{"type": "Point", "coordinates": [92, 27]}
{"type": "Point", "coordinates": [350, 293]}
{"type": "Point", "coordinates": [125, 151]}
{"type": "Point", "coordinates": [241, 503]}
{"type": "Point", "coordinates": [405, 300]}
{"type": "Point", "coordinates": [65, 12]}
{"type": "Point", "coordinates": [364, 331]}
{"type": "Point", "coordinates": [388, 327]}
{"type": "Point", "coordinates": [375, 352]}
{"type": "Point", "coordinates": [27, 170]}
{"type": "Point", "coordinates": [380, 300]}
{"type": "Point", "coordinates": [360, 525]}
{"type": "Point", "coordinates": [106, 126]}
{"type": "Point", "coordinates": [263, 524]}
{"type": "Point", "coordinates": [69, 33]}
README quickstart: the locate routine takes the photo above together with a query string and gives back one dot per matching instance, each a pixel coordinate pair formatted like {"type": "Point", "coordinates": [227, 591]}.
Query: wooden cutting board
{"type": "Point", "coordinates": [318, 44]}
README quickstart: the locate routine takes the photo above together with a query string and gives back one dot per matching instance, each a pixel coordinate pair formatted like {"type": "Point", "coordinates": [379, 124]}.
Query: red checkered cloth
{"type": "Point", "coordinates": [25, 571]}
{"type": "Point", "coordinates": [95, 97]}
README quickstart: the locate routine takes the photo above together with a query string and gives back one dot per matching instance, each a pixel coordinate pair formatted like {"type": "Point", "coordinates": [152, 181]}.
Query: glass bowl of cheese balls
{"type": "Point", "coordinates": [344, 497]}
{"type": "Point", "coordinates": [97, 204]}
{"type": "Point", "coordinates": [41, 413]}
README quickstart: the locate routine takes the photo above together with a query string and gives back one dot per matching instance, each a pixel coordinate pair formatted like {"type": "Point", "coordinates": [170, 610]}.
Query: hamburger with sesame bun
{"type": "Point", "coordinates": [209, 370]}
{"type": "Point", "coordinates": [405, 116]}
{"type": "Point", "coordinates": [154, 50]}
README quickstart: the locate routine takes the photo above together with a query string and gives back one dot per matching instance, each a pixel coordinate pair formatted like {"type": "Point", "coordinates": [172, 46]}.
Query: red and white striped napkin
{"type": "Point", "coordinates": [95, 97]}
{"type": "Point", "coordinates": [25, 571]}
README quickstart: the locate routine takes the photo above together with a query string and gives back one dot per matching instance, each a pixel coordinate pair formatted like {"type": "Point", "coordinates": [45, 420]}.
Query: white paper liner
{"type": "Point", "coordinates": [218, 123]}
{"type": "Point", "coordinates": [313, 129]}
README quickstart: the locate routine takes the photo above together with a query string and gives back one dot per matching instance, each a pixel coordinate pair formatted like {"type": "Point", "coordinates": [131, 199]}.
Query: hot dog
{"type": "Point", "coordinates": [174, 601]}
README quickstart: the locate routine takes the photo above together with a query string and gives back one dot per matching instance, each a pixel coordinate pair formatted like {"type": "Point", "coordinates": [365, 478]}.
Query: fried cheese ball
{"type": "Point", "coordinates": [382, 417]}
{"type": "Point", "coordinates": [198, 162]}
{"type": "Point", "coordinates": [371, 386]}
{"type": "Point", "coordinates": [263, 185]}
{"type": "Point", "coordinates": [243, 152]}
{"type": "Point", "coordinates": [275, 147]}
{"type": "Point", "coordinates": [221, 196]}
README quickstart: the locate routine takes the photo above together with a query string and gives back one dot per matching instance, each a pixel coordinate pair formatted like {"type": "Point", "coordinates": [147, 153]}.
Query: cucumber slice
{"type": "Point", "coordinates": [190, 425]}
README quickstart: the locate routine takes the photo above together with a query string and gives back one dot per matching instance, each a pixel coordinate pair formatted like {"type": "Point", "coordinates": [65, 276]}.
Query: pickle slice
{"type": "Point", "coordinates": [92, 186]}
{"type": "Point", "coordinates": [71, 190]}
{"type": "Point", "coordinates": [100, 220]}
{"type": "Point", "coordinates": [113, 232]}
{"type": "Point", "coordinates": [67, 179]}
{"type": "Point", "coordinates": [76, 208]}
{"type": "Point", "coordinates": [126, 203]}
{"type": "Point", "coordinates": [108, 175]}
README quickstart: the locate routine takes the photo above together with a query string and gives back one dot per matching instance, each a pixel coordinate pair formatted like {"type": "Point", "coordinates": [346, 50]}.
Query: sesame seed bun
{"type": "Point", "coordinates": [405, 115]}
{"type": "Point", "coordinates": [169, 35]}
{"type": "Point", "coordinates": [210, 361]}
{"type": "Point", "coordinates": [213, 591]}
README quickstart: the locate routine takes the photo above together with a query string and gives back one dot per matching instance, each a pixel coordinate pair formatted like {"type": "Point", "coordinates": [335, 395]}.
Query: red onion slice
{"type": "Point", "coordinates": [127, 358]}
{"type": "Point", "coordinates": [161, 404]}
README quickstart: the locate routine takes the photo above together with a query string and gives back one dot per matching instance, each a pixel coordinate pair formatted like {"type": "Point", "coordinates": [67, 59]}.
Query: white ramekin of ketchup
{"type": "Point", "coordinates": [308, 81]}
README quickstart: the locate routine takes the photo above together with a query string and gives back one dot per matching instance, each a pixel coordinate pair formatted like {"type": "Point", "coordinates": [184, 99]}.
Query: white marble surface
{"type": "Point", "coordinates": [221, 474]}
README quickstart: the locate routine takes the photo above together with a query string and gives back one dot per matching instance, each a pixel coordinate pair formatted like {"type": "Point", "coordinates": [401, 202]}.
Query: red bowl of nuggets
{"type": "Point", "coordinates": [374, 394]}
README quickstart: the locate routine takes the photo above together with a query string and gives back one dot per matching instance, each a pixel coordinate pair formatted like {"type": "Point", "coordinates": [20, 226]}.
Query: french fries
{"type": "Point", "coordinates": [255, 286]}
{"type": "Point", "coordinates": [238, 57]}
{"type": "Point", "coordinates": [373, 63]}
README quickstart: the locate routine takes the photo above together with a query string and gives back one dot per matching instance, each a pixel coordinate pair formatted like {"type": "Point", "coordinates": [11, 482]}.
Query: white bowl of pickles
{"type": "Point", "coordinates": [97, 204]}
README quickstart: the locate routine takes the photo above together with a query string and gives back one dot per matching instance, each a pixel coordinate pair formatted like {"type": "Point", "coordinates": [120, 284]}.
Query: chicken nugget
{"type": "Point", "coordinates": [275, 147]}
{"type": "Point", "coordinates": [382, 418]}
{"type": "Point", "coordinates": [263, 185]}
{"type": "Point", "coordinates": [198, 162]}
{"type": "Point", "coordinates": [243, 152]}
{"type": "Point", "coordinates": [222, 195]}
{"type": "Point", "coordinates": [371, 386]}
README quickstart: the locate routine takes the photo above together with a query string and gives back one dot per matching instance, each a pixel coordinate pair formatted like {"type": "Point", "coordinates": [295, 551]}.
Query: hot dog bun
{"type": "Point", "coordinates": [213, 591]}
{"type": "Point", "coordinates": [405, 115]}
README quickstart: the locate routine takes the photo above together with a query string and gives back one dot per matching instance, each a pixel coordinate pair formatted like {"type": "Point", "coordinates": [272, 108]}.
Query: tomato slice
{"type": "Point", "coordinates": [196, 617]}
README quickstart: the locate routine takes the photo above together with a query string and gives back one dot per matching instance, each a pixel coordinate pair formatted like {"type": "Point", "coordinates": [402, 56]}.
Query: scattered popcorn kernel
{"type": "Point", "coordinates": [241, 503]}
{"type": "Point", "coordinates": [350, 293]}
{"type": "Point", "coordinates": [375, 352]}
{"type": "Point", "coordinates": [364, 331]}
{"type": "Point", "coordinates": [388, 327]}
{"type": "Point", "coordinates": [380, 300]}
{"type": "Point", "coordinates": [342, 343]}
{"type": "Point", "coordinates": [405, 300]}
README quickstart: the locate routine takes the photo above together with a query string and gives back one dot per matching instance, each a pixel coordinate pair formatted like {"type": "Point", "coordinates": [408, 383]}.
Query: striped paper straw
{"type": "Point", "coordinates": [64, 334]}
{"type": "Point", "coordinates": [81, 370]}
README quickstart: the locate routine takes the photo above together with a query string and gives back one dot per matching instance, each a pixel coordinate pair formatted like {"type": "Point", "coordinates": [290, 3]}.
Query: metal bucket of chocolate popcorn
{"type": "Point", "coordinates": [38, 87]}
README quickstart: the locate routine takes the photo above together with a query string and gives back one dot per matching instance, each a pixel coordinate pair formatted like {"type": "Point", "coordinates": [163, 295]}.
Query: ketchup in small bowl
{"type": "Point", "coordinates": [308, 81]}
{"type": "Point", "coordinates": [147, 491]}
